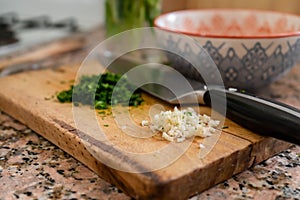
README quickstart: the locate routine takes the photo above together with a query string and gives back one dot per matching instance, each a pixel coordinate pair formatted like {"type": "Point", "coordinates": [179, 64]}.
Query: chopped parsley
{"type": "Point", "coordinates": [97, 92]}
{"type": "Point", "coordinates": [225, 127]}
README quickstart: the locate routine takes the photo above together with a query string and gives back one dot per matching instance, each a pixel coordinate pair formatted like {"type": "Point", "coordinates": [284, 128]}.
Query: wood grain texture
{"type": "Point", "coordinates": [28, 97]}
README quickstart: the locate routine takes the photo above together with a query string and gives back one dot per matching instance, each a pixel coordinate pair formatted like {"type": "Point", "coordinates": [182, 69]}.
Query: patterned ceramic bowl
{"type": "Point", "coordinates": [251, 48]}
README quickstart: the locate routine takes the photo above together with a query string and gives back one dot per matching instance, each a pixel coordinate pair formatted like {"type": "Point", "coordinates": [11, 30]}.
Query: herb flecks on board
{"type": "Point", "coordinates": [97, 92]}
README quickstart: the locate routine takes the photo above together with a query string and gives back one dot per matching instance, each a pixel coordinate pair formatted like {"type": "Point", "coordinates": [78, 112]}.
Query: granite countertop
{"type": "Point", "coordinates": [33, 168]}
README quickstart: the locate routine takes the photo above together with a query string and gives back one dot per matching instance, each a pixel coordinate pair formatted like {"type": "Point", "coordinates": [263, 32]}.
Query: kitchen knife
{"type": "Point", "coordinates": [263, 116]}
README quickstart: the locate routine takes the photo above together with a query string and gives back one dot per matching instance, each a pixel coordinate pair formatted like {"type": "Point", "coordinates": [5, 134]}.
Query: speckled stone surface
{"type": "Point", "coordinates": [276, 178]}
{"type": "Point", "coordinates": [33, 168]}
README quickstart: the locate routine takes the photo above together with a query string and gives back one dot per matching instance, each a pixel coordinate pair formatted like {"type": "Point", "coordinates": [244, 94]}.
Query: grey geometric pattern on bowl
{"type": "Point", "coordinates": [254, 69]}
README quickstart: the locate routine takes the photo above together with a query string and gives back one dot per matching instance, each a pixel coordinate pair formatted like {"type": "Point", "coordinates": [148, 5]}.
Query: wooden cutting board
{"type": "Point", "coordinates": [29, 97]}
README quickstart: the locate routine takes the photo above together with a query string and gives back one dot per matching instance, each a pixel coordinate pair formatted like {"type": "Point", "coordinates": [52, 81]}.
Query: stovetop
{"type": "Point", "coordinates": [31, 23]}
{"type": "Point", "coordinates": [17, 33]}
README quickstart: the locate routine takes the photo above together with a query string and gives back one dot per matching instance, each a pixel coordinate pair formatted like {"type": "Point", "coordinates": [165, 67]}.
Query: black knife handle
{"type": "Point", "coordinates": [265, 117]}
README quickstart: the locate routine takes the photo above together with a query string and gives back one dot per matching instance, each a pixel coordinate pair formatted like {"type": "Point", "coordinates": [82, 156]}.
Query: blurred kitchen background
{"type": "Point", "coordinates": [89, 13]}
{"type": "Point", "coordinates": [25, 23]}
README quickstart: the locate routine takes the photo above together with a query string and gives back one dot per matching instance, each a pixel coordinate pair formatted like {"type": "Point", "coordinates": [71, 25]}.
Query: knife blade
{"type": "Point", "coordinates": [263, 116]}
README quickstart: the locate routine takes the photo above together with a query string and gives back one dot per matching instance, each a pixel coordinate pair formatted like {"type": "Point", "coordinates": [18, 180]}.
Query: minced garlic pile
{"type": "Point", "coordinates": [178, 125]}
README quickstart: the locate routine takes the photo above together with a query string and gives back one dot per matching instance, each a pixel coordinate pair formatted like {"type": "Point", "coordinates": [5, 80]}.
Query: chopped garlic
{"type": "Point", "coordinates": [179, 125]}
{"type": "Point", "coordinates": [145, 123]}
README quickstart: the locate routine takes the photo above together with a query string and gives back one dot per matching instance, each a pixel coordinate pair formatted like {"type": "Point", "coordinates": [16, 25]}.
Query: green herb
{"type": "Point", "coordinates": [106, 125]}
{"type": "Point", "coordinates": [224, 127]}
{"type": "Point", "coordinates": [152, 10]}
{"type": "Point", "coordinates": [122, 15]}
{"type": "Point", "coordinates": [189, 113]}
{"type": "Point", "coordinates": [65, 96]}
{"type": "Point", "coordinates": [97, 92]}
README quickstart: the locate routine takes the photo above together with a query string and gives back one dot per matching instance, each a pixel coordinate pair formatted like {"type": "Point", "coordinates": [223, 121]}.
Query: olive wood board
{"type": "Point", "coordinates": [30, 98]}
